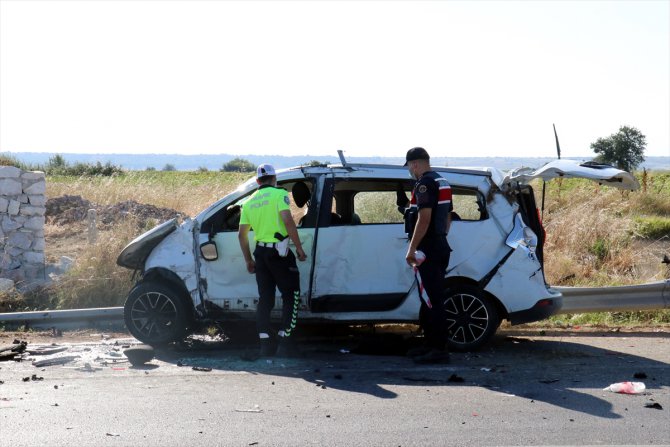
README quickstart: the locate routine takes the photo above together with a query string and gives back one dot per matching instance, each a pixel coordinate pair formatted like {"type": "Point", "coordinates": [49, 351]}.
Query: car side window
{"type": "Point", "coordinates": [468, 204]}
{"type": "Point", "coordinates": [381, 201]}
{"type": "Point", "coordinates": [227, 219]}
{"type": "Point", "coordinates": [377, 207]}
{"type": "Point", "coordinates": [368, 201]}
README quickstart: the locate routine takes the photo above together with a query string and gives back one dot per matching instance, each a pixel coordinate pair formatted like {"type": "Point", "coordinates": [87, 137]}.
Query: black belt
{"type": "Point", "coordinates": [266, 244]}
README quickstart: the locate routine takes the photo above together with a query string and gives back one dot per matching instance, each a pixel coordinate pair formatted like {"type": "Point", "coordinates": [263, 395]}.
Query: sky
{"type": "Point", "coordinates": [373, 78]}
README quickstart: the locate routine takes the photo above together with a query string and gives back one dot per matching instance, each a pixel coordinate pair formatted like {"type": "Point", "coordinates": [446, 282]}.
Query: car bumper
{"type": "Point", "coordinates": [542, 309]}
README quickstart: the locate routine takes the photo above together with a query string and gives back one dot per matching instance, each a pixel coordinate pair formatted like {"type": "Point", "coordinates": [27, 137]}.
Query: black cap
{"type": "Point", "coordinates": [416, 153]}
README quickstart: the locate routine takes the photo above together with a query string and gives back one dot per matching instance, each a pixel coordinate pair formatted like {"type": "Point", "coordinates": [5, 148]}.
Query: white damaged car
{"type": "Point", "coordinates": [353, 233]}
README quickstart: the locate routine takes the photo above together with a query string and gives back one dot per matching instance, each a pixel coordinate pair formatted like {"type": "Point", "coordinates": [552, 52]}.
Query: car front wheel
{"type": "Point", "coordinates": [471, 317]}
{"type": "Point", "coordinates": [156, 313]}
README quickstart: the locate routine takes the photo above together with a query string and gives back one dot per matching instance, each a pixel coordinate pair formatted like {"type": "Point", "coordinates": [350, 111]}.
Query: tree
{"type": "Point", "coordinates": [169, 167]}
{"type": "Point", "coordinates": [624, 149]}
{"type": "Point", "coordinates": [238, 165]}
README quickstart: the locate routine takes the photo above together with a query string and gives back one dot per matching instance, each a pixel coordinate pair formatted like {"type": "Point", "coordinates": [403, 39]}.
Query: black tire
{"type": "Point", "coordinates": [471, 317]}
{"type": "Point", "coordinates": [156, 313]}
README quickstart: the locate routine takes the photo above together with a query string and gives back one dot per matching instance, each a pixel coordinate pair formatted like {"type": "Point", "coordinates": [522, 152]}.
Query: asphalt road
{"type": "Point", "coordinates": [523, 389]}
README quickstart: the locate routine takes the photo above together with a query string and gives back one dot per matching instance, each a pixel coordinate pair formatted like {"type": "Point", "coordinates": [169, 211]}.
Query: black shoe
{"type": "Point", "coordinates": [287, 348]}
{"type": "Point", "coordinates": [267, 348]}
{"type": "Point", "coordinates": [433, 357]}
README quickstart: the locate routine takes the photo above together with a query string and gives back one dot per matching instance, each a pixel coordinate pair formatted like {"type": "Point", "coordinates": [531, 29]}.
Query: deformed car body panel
{"type": "Point", "coordinates": [603, 174]}
{"type": "Point", "coordinates": [138, 250]}
{"type": "Point", "coordinates": [176, 254]}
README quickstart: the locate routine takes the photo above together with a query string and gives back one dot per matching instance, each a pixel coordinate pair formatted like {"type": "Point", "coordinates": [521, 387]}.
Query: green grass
{"type": "Point", "coordinates": [654, 227]}
{"type": "Point", "coordinates": [624, 319]}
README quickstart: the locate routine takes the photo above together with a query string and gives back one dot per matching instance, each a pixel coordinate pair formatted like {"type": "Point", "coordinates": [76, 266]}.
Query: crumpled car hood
{"type": "Point", "coordinates": [136, 252]}
{"type": "Point", "coordinates": [603, 174]}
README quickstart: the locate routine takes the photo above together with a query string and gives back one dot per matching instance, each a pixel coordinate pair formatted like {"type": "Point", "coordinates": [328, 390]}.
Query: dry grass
{"type": "Point", "coordinates": [186, 192]}
{"type": "Point", "coordinates": [96, 280]}
{"type": "Point", "coordinates": [591, 237]}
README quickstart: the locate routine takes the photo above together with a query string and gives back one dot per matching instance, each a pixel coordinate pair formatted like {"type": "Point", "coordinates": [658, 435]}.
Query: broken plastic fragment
{"type": "Point", "coordinates": [55, 361]}
{"type": "Point", "coordinates": [88, 368]}
{"type": "Point", "coordinates": [256, 409]}
{"type": "Point", "coordinates": [626, 388]}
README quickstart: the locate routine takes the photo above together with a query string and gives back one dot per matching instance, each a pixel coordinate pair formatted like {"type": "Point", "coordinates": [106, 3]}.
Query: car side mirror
{"type": "Point", "coordinates": [208, 251]}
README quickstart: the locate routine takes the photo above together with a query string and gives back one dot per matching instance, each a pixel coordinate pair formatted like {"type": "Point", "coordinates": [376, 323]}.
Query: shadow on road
{"type": "Point", "coordinates": [562, 370]}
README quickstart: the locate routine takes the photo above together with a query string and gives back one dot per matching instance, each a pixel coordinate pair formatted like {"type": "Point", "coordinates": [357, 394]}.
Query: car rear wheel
{"type": "Point", "coordinates": [471, 317]}
{"type": "Point", "coordinates": [156, 313]}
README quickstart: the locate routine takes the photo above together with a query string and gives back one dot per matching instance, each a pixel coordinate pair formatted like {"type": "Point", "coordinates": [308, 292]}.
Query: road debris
{"type": "Point", "coordinates": [626, 388]}
{"type": "Point", "coordinates": [9, 352]}
{"type": "Point", "coordinates": [34, 378]}
{"type": "Point", "coordinates": [55, 361]}
{"type": "Point", "coordinates": [47, 350]}
{"type": "Point", "coordinates": [139, 355]}
{"type": "Point", "coordinates": [88, 368]}
{"type": "Point", "coordinates": [256, 409]}
{"type": "Point", "coordinates": [654, 405]}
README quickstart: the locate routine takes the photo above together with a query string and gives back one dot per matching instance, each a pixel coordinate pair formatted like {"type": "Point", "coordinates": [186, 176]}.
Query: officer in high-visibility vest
{"type": "Point", "coordinates": [267, 212]}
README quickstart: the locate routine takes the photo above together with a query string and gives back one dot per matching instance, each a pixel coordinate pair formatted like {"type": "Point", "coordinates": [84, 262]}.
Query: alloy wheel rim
{"type": "Point", "coordinates": [153, 314]}
{"type": "Point", "coordinates": [467, 318]}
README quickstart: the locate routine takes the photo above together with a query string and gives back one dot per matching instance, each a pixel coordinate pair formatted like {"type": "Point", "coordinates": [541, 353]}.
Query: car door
{"type": "Point", "coordinates": [359, 261]}
{"type": "Point", "coordinates": [228, 283]}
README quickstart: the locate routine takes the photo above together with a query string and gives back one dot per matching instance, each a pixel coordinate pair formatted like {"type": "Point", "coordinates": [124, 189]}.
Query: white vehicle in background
{"type": "Point", "coordinates": [354, 237]}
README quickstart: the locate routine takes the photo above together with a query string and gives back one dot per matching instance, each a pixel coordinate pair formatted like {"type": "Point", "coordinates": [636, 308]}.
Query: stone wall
{"type": "Point", "coordinates": [22, 208]}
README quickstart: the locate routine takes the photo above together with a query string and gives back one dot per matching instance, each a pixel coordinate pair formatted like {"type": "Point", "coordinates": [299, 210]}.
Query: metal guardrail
{"type": "Point", "coordinates": [65, 319]}
{"type": "Point", "coordinates": [650, 296]}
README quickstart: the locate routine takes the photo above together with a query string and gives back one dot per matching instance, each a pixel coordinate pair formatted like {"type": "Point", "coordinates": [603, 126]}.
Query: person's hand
{"type": "Point", "coordinates": [301, 254]}
{"type": "Point", "coordinates": [251, 266]}
{"type": "Point", "coordinates": [410, 257]}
